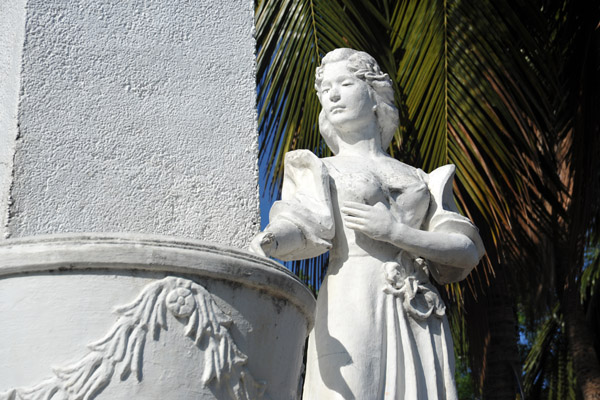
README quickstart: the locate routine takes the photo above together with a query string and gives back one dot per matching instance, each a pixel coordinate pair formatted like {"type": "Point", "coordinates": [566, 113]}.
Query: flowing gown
{"type": "Point", "coordinates": [380, 328]}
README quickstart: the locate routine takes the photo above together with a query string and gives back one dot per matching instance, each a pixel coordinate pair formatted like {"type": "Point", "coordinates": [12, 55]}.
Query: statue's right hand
{"type": "Point", "coordinates": [263, 244]}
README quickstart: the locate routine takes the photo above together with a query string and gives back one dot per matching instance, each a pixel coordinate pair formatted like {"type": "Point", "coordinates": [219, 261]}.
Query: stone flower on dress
{"type": "Point", "coordinates": [408, 280]}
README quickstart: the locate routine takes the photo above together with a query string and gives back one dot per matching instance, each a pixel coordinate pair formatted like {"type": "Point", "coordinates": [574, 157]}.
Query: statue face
{"type": "Point", "coordinates": [345, 98]}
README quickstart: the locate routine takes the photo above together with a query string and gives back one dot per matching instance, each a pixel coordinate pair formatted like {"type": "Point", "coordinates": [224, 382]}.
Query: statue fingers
{"type": "Point", "coordinates": [357, 206]}
{"type": "Point", "coordinates": [354, 227]}
{"type": "Point", "coordinates": [354, 212]}
{"type": "Point", "coordinates": [354, 220]}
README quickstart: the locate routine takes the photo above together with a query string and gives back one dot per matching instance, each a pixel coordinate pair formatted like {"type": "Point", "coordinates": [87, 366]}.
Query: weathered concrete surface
{"type": "Point", "coordinates": [12, 21]}
{"type": "Point", "coordinates": [134, 116]}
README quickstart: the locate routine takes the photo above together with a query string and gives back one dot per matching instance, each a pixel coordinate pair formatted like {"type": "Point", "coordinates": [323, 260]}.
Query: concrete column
{"type": "Point", "coordinates": [128, 116]}
{"type": "Point", "coordinates": [131, 120]}
{"type": "Point", "coordinates": [12, 21]}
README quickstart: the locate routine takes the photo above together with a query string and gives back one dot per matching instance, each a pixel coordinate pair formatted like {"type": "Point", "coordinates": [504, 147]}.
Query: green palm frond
{"type": "Point", "coordinates": [448, 84]}
{"type": "Point", "coordinates": [292, 38]}
{"type": "Point", "coordinates": [496, 88]}
{"type": "Point", "coordinates": [548, 367]}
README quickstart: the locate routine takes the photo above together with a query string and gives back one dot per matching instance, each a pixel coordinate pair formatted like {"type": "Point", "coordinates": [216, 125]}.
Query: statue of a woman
{"type": "Point", "coordinates": [380, 328]}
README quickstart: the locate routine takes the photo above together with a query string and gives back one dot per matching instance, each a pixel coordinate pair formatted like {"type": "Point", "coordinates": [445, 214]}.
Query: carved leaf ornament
{"type": "Point", "coordinates": [120, 352]}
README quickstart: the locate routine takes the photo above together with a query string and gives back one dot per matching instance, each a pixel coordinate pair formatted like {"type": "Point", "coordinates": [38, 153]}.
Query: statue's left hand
{"type": "Point", "coordinates": [375, 221]}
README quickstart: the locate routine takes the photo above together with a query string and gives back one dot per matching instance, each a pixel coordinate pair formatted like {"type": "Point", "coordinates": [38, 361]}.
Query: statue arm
{"type": "Point", "coordinates": [447, 247]}
{"type": "Point", "coordinates": [447, 239]}
{"type": "Point", "coordinates": [279, 239]}
{"type": "Point", "coordinates": [301, 223]}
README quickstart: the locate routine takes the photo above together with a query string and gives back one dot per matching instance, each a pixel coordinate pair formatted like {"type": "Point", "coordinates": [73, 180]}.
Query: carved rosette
{"type": "Point", "coordinates": [121, 351]}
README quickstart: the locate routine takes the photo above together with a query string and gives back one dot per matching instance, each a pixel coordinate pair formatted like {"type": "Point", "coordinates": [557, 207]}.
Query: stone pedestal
{"type": "Point", "coordinates": [136, 116]}
{"type": "Point", "coordinates": [147, 317]}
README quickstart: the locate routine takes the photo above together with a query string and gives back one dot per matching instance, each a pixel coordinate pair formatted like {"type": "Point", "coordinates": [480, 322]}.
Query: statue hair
{"type": "Point", "coordinates": [365, 68]}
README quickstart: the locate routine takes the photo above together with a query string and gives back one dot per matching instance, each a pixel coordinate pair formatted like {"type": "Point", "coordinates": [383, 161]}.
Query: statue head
{"type": "Point", "coordinates": [365, 68]}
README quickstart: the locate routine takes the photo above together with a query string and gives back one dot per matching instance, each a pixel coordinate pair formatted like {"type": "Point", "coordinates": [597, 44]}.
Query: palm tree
{"type": "Point", "coordinates": [493, 89]}
{"type": "Point", "coordinates": [572, 40]}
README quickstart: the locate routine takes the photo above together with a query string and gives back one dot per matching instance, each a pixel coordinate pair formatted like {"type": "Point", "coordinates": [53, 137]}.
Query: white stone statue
{"type": "Point", "coordinates": [380, 330]}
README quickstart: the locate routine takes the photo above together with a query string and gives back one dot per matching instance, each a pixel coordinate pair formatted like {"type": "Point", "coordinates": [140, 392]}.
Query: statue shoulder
{"type": "Point", "coordinates": [300, 158]}
{"type": "Point", "coordinates": [304, 171]}
{"type": "Point", "coordinates": [440, 183]}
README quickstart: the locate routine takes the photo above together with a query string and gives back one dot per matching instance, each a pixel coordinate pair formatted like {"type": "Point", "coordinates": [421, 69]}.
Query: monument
{"type": "Point", "coordinates": [380, 326]}
{"type": "Point", "coordinates": [128, 186]}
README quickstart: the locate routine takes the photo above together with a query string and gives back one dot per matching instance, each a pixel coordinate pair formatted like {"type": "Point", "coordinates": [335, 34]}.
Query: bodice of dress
{"type": "Point", "coordinates": [314, 189]}
{"type": "Point", "coordinates": [402, 190]}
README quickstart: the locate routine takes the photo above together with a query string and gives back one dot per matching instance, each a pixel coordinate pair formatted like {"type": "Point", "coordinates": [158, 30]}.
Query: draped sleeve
{"type": "Point", "coordinates": [305, 204]}
{"type": "Point", "coordinates": [443, 216]}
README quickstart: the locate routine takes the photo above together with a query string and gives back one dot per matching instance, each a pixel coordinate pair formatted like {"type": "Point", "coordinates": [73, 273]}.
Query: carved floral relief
{"type": "Point", "coordinates": [120, 354]}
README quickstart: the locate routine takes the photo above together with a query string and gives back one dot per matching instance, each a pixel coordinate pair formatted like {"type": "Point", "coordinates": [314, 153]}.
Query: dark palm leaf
{"type": "Point", "coordinates": [478, 84]}
{"type": "Point", "coordinates": [548, 367]}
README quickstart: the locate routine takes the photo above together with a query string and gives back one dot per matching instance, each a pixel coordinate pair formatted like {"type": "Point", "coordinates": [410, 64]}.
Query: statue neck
{"type": "Point", "coordinates": [362, 148]}
{"type": "Point", "coordinates": [365, 142]}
